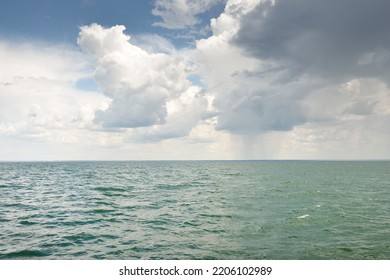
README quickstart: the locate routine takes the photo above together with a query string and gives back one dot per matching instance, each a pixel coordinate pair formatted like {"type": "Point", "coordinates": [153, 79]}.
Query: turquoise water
{"type": "Point", "coordinates": [195, 210]}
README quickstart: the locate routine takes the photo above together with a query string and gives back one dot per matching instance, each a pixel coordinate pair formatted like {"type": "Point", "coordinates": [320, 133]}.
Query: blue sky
{"type": "Point", "coordinates": [185, 79]}
{"type": "Point", "coordinates": [59, 21]}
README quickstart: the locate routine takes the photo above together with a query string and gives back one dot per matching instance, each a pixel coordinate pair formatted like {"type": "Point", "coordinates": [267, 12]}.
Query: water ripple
{"type": "Point", "coordinates": [195, 210]}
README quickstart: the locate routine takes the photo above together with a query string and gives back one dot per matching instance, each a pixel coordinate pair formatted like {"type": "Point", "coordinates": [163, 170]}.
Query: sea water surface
{"type": "Point", "coordinates": [195, 210]}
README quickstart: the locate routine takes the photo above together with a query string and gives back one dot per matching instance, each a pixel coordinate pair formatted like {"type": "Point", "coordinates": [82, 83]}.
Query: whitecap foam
{"type": "Point", "coordinates": [303, 216]}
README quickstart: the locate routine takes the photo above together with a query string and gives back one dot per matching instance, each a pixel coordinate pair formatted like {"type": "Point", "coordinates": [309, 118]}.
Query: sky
{"type": "Point", "coordinates": [194, 80]}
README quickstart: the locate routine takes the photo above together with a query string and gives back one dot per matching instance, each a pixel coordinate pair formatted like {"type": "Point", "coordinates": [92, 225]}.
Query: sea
{"type": "Point", "coordinates": [195, 210]}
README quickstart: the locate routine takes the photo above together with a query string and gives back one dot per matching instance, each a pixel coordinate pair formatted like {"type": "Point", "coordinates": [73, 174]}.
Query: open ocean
{"type": "Point", "coordinates": [273, 210]}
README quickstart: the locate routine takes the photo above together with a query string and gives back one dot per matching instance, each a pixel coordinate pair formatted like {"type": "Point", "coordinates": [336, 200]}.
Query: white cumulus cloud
{"type": "Point", "coordinates": [276, 79]}
{"type": "Point", "coordinates": [284, 68]}
{"type": "Point", "coordinates": [147, 89]}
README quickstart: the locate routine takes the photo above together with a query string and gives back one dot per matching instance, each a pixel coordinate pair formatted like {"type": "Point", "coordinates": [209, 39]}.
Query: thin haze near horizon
{"type": "Point", "coordinates": [185, 79]}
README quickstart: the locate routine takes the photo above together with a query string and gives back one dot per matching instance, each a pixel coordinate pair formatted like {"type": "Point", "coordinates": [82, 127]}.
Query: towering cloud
{"type": "Point", "coordinates": [308, 72]}
{"type": "Point", "coordinates": [275, 79]}
{"type": "Point", "coordinates": [147, 89]}
{"type": "Point", "coordinates": [280, 57]}
{"type": "Point", "coordinates": [139, 83]}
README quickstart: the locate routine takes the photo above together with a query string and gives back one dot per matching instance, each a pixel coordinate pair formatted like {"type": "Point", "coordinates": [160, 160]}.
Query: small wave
{"type": "Point", "coordinates": [167, 186]}
{"type": "Point", "coordinates": [24, 254]}
{"type": "Point", "coordinates": [233, 174]}
{"type": "Point", "coordinates": [77, 222]}
{"type": "Point", "coordinates": [293, 236]}
{"type": "Point", "coordinates": [27, 223]}
{"type": "Point", "coordinates": [81, 238]}
{"type": "Point", "coordinates": [103, 203]}
{"type": "Point", "coordinates": [102, 211]}
{"type": "Point", "coordinates": [21, 206]}
{"type": "Point", "coordinates": [345, 249]}
{"type": "Point", "coordinates": [190, 223]}
{"type": "Point", "coordinates": [109, 189]}
{"type": "Point", "coordinates": [216, 216]}
{"type": "Point", "coordinates": [109, 236]}
{"type": "Point", "coordinates": [6, 186]}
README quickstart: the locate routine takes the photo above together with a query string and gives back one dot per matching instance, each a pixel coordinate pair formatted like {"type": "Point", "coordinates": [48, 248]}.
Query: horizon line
{"type": "Point", "coordinates": [182, 160]}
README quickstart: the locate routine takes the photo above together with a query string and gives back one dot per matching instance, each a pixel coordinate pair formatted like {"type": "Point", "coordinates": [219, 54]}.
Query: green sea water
{"type": "Point", "coordinates": [272, 210]}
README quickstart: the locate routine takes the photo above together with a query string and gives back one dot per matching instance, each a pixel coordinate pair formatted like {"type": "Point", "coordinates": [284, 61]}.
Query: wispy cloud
{"type": "Point", "coordinates": [39, 100]}
{"type": "Point", "coordinates": [179, 14]}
